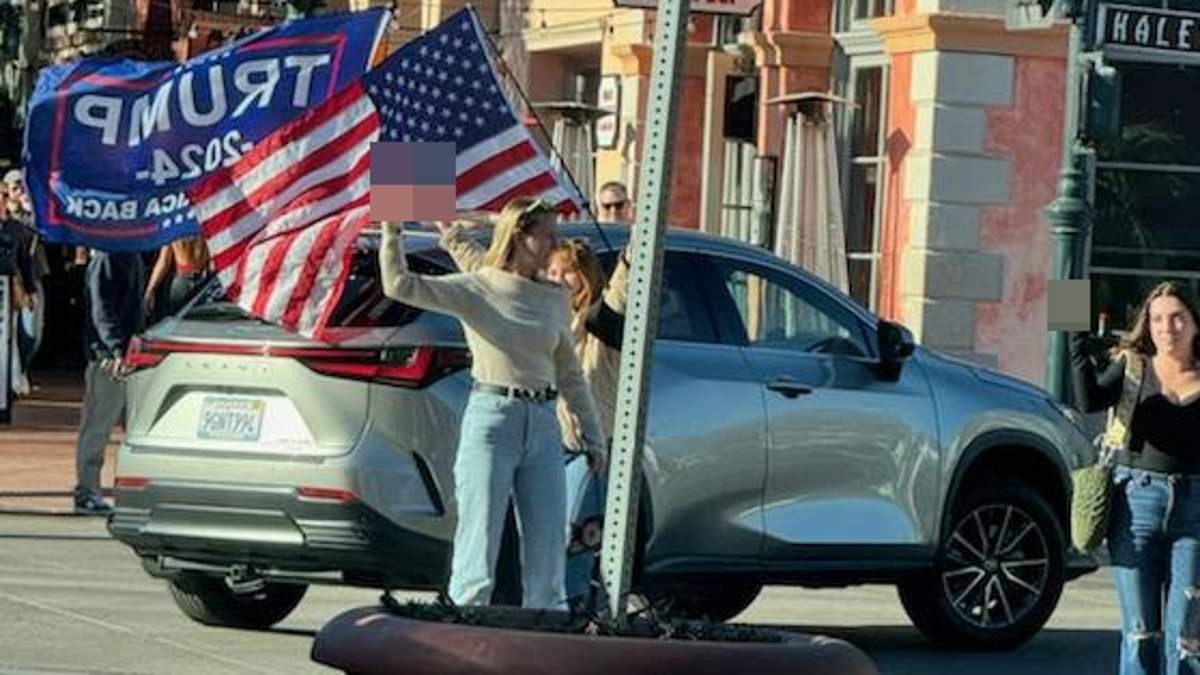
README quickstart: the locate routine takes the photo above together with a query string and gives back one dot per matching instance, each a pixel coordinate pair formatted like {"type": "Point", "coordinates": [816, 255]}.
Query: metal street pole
{"type": "Point", "coordinates": [641, 318]}
{"type": "Point", "coordinates": [1069, 214]}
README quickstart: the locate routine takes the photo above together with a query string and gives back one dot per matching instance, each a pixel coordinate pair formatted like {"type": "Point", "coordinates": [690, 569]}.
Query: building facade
{"type": "Point", "coordinates": [949, 150]}
{"type": "Point", "coordinates": [948, 142]}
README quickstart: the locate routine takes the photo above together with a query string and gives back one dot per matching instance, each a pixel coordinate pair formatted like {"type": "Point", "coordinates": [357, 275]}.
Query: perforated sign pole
{"type": "Point", "coordinates": [6, 343]}
{"type": "Point", "coordinates": [641, 318]}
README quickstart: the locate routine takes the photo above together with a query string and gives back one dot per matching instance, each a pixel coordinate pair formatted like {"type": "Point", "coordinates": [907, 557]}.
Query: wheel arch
{"type": "Point", "coordinates": [1011, 454]}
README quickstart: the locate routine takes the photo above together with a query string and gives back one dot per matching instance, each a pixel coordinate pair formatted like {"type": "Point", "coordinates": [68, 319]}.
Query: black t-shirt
{"type": "Point", "coordinates": [1163, 436]}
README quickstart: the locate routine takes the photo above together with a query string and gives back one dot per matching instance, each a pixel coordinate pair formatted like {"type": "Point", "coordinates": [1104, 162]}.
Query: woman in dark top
{"type": "Point", "coordinates": [1154, 533]}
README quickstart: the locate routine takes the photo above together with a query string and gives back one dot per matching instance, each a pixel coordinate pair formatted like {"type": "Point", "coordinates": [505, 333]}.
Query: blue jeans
{"type": "Point", "coordinates": [585, 521]}
{"type": "Point", "coordinates": [509, 446]}
{"type": "Point", "coordinates": [1154, 540]}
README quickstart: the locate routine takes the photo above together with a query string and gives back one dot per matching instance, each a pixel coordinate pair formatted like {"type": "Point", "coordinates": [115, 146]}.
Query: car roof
{"type": "Point", "coordinates": [608, 236]}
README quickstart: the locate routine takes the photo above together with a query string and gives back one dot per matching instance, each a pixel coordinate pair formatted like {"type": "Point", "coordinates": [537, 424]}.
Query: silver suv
{"type": "Point", "coordinates": [794, 438]}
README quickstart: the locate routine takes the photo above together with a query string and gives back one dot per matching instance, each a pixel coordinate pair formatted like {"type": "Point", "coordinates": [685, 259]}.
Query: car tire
{"type": "Point", "coordinates": [209, 601]}
{"type": "Point", "coordinates": [709, 603]}
{"type": "Point", "coordinates": [998, 575]}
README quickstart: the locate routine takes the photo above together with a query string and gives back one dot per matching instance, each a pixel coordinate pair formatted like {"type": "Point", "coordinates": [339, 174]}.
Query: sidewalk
{"type": "Point", "coordinates": [37, 451]}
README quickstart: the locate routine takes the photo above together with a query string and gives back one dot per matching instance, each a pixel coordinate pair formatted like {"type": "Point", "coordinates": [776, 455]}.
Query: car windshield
{"type": "Point", "coordinates": [362, 303]}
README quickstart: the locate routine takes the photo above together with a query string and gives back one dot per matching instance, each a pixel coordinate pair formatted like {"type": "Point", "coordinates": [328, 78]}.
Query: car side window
{"type": "Point", "coordinates": [781, 312]}
{"type": "Point", "coordinates": [683, 313]}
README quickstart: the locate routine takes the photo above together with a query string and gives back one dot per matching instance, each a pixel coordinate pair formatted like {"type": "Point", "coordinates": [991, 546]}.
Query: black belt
{"type": "Point", "coordinates": [546, 394]}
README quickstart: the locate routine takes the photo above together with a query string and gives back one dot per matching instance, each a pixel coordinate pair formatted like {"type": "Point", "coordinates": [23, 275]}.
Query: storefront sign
{"type": "Point", "coordinates": [735, 7]}
{"type": "Point", "coordinates": [608, 128]}
{"type": "Point", "coordinates": [1149, 34]}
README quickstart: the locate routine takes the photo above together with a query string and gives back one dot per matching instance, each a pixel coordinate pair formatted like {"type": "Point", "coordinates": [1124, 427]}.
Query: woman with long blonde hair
{"type": "Point", "coordinates": [517, 326]}
{"type": "Point", "coordinates": [1153, 384]}
{"type": "Point", "coordinates": [597, 311]}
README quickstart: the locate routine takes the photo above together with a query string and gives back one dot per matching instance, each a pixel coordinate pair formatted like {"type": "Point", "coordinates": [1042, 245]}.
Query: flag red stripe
{"type": "Point", "coordinates": [330, 188]}
{"type": "Point", "coordinates": [230, 255]}
{"type": "Point", "coordinates": [281, 181]}
{"type": "Point", "coordinates": [315, 193]}
{"type": "Point", "coordinates": [339, 285]}
{"type": "Point", "coordinates": [309, 271]}
{"type": "Point", "coordinates": [276, 140]}
{"type": "Point", "coordinates": [270, 270]}
{"type": "Point", "coordinates": [536, 185]}
{"type": "Point", "coordinates": [494, 166]}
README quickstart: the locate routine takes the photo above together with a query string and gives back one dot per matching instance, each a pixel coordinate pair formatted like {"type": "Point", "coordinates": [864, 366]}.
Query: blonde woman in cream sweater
{"type": "Point", "coordinates": [518, 329]}
{"type": "Point", "coordinates": [574, 266]}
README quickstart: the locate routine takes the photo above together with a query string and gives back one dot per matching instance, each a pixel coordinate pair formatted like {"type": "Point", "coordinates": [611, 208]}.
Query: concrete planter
{"type": "Point", "coordinates": [371, 640]}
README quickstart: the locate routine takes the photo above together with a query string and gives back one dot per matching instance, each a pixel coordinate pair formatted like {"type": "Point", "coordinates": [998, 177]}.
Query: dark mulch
{"type": "Point", "coordinates": [645, 624]}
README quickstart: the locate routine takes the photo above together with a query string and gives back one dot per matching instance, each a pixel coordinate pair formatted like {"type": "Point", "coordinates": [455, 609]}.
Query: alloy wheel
{"type": "Point", "coordinates": [996, 566]}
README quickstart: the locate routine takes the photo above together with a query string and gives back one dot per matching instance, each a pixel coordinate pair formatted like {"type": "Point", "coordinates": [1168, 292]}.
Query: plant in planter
{"type": "Point", "coordinates": [420, 639]}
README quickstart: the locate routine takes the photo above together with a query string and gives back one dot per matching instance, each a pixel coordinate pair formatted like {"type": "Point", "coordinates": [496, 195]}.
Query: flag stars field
{"type": "Point", "coordinates": [280, 220]}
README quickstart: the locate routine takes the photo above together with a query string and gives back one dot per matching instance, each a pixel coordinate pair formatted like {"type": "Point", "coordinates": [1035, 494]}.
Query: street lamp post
{"type": "Point", "coordinates": [1069, 214]}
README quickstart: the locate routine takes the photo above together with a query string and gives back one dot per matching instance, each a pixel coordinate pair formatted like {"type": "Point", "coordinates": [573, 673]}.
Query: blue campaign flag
{"type": "Point", "coordinates": [112, 146]}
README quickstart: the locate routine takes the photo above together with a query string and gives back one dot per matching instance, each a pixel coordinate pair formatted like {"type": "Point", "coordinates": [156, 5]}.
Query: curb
{"type": "Point", "coordinates": [6, 510]}
{"type": "Point", "coordinates": [31, 494]}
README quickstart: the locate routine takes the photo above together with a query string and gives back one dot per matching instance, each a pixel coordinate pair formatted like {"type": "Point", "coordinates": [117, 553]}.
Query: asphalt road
{"type": "Point", "coordinates": [74, 601]}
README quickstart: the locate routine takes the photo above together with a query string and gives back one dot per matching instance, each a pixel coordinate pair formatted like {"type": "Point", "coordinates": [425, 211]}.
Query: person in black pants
{"type": "Point", "coordinates": [115, 284]}
{"type": "Point", "coordinates": [1154, 529]}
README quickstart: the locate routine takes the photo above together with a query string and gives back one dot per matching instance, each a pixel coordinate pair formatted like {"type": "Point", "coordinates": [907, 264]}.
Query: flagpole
{"type": "Point", "coordinates": [562, 161]}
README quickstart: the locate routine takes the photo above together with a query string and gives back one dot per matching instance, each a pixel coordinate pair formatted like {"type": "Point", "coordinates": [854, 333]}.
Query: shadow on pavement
{"type": "Point", "coordinates": [901, 650]}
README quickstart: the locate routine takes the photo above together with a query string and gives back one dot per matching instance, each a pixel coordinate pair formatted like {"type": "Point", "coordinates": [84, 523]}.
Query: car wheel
{"type": "Point", "coordinates": [209, 601]}
{"type": "Point", "coordinates": [998, 575]}
{"type": "Point", "coordinates": [709, 603]}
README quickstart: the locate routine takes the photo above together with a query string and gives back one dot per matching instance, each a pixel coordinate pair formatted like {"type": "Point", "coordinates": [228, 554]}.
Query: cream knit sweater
{"type": "Point", "coordinates": [518, 329]}
{"type": "Point", "coordinates": [600, 362]}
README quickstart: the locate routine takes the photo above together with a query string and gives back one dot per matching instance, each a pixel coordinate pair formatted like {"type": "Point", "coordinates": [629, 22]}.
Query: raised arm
{"type": "Point", "coordinates": [1094, 392]}
{"type": "Point", "coordinates": [606, 319]}
{"type": "Point", "coordinates": [452, 294]}
{"type": "Point", "coordinates": [466, 252]}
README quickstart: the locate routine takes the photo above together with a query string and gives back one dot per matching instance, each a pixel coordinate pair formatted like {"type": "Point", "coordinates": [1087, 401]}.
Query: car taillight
{"type": "Point", "coordinates": [324, 494]}
{"type": "Point", "coordinates": [139, 355]}
{"type": "Point", "coordinates": [404, 366]}
{"type": "Point", "coordinates": [131, 482]}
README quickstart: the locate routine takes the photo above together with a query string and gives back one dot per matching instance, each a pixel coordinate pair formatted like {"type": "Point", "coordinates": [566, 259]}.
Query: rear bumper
{"type": "Point", "coordinates": [176, 525]}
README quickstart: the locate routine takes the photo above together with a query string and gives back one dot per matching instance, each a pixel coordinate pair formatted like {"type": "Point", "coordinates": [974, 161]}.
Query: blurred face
{"type": "Point", "coordinates": [17, 197]}
{"type": "Point", "coordinates": [614, 206]}
{"type": "Point", "coordinates": [540, 240]}
{"type": "Point", "coordinates": [1172, 328]}
{"type": "Point", "coordinates": [563, 273]}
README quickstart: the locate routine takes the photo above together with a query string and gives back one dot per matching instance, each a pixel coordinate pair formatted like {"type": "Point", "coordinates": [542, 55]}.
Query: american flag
{"type": "Point", "coordinates": [282, 222]}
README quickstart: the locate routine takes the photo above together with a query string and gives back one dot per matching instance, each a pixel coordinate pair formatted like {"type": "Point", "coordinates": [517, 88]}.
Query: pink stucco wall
{"type": "Point", "coordinates": [1029, 135]}
{"type": "Point", "coordinates": [895, 234]}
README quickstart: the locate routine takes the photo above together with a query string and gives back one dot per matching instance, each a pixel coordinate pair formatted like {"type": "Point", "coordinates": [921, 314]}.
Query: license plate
{"type": "Point", "coordinates": [231, 419]}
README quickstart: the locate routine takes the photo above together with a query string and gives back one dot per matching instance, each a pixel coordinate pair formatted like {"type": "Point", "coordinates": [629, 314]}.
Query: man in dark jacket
{"type": "Point", "coordinates": [115, 283]}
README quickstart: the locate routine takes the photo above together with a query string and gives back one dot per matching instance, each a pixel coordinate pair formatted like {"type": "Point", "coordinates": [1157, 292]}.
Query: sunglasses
{"type": "Point", "coordinates": [535, 206]}
{"type": "Point", "coordinates": [612, 206]}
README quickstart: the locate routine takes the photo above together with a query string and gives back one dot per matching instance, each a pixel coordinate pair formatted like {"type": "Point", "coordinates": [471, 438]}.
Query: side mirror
{"type": "Point", "coordinates": [896, 344]}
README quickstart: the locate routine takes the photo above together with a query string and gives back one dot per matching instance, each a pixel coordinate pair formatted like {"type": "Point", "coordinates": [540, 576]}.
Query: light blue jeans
{"type": "Point", "coordinates": [586, 492]}
{"type": "Point", "coordinates": [1154, 540]}
{"type": "Point", "coordinates": [509, 446]}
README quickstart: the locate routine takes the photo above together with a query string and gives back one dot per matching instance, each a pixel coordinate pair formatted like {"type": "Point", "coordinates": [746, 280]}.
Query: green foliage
{"type": "Point", "coordinates": [646, 624]}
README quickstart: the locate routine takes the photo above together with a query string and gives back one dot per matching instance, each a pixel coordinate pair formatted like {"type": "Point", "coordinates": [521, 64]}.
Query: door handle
{"type": "Point", "coordinates": [788, 387]}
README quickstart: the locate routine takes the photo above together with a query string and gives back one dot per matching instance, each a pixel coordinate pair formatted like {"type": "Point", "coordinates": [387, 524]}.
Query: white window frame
{"type": "Point", "coordinates": [859, 47]}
